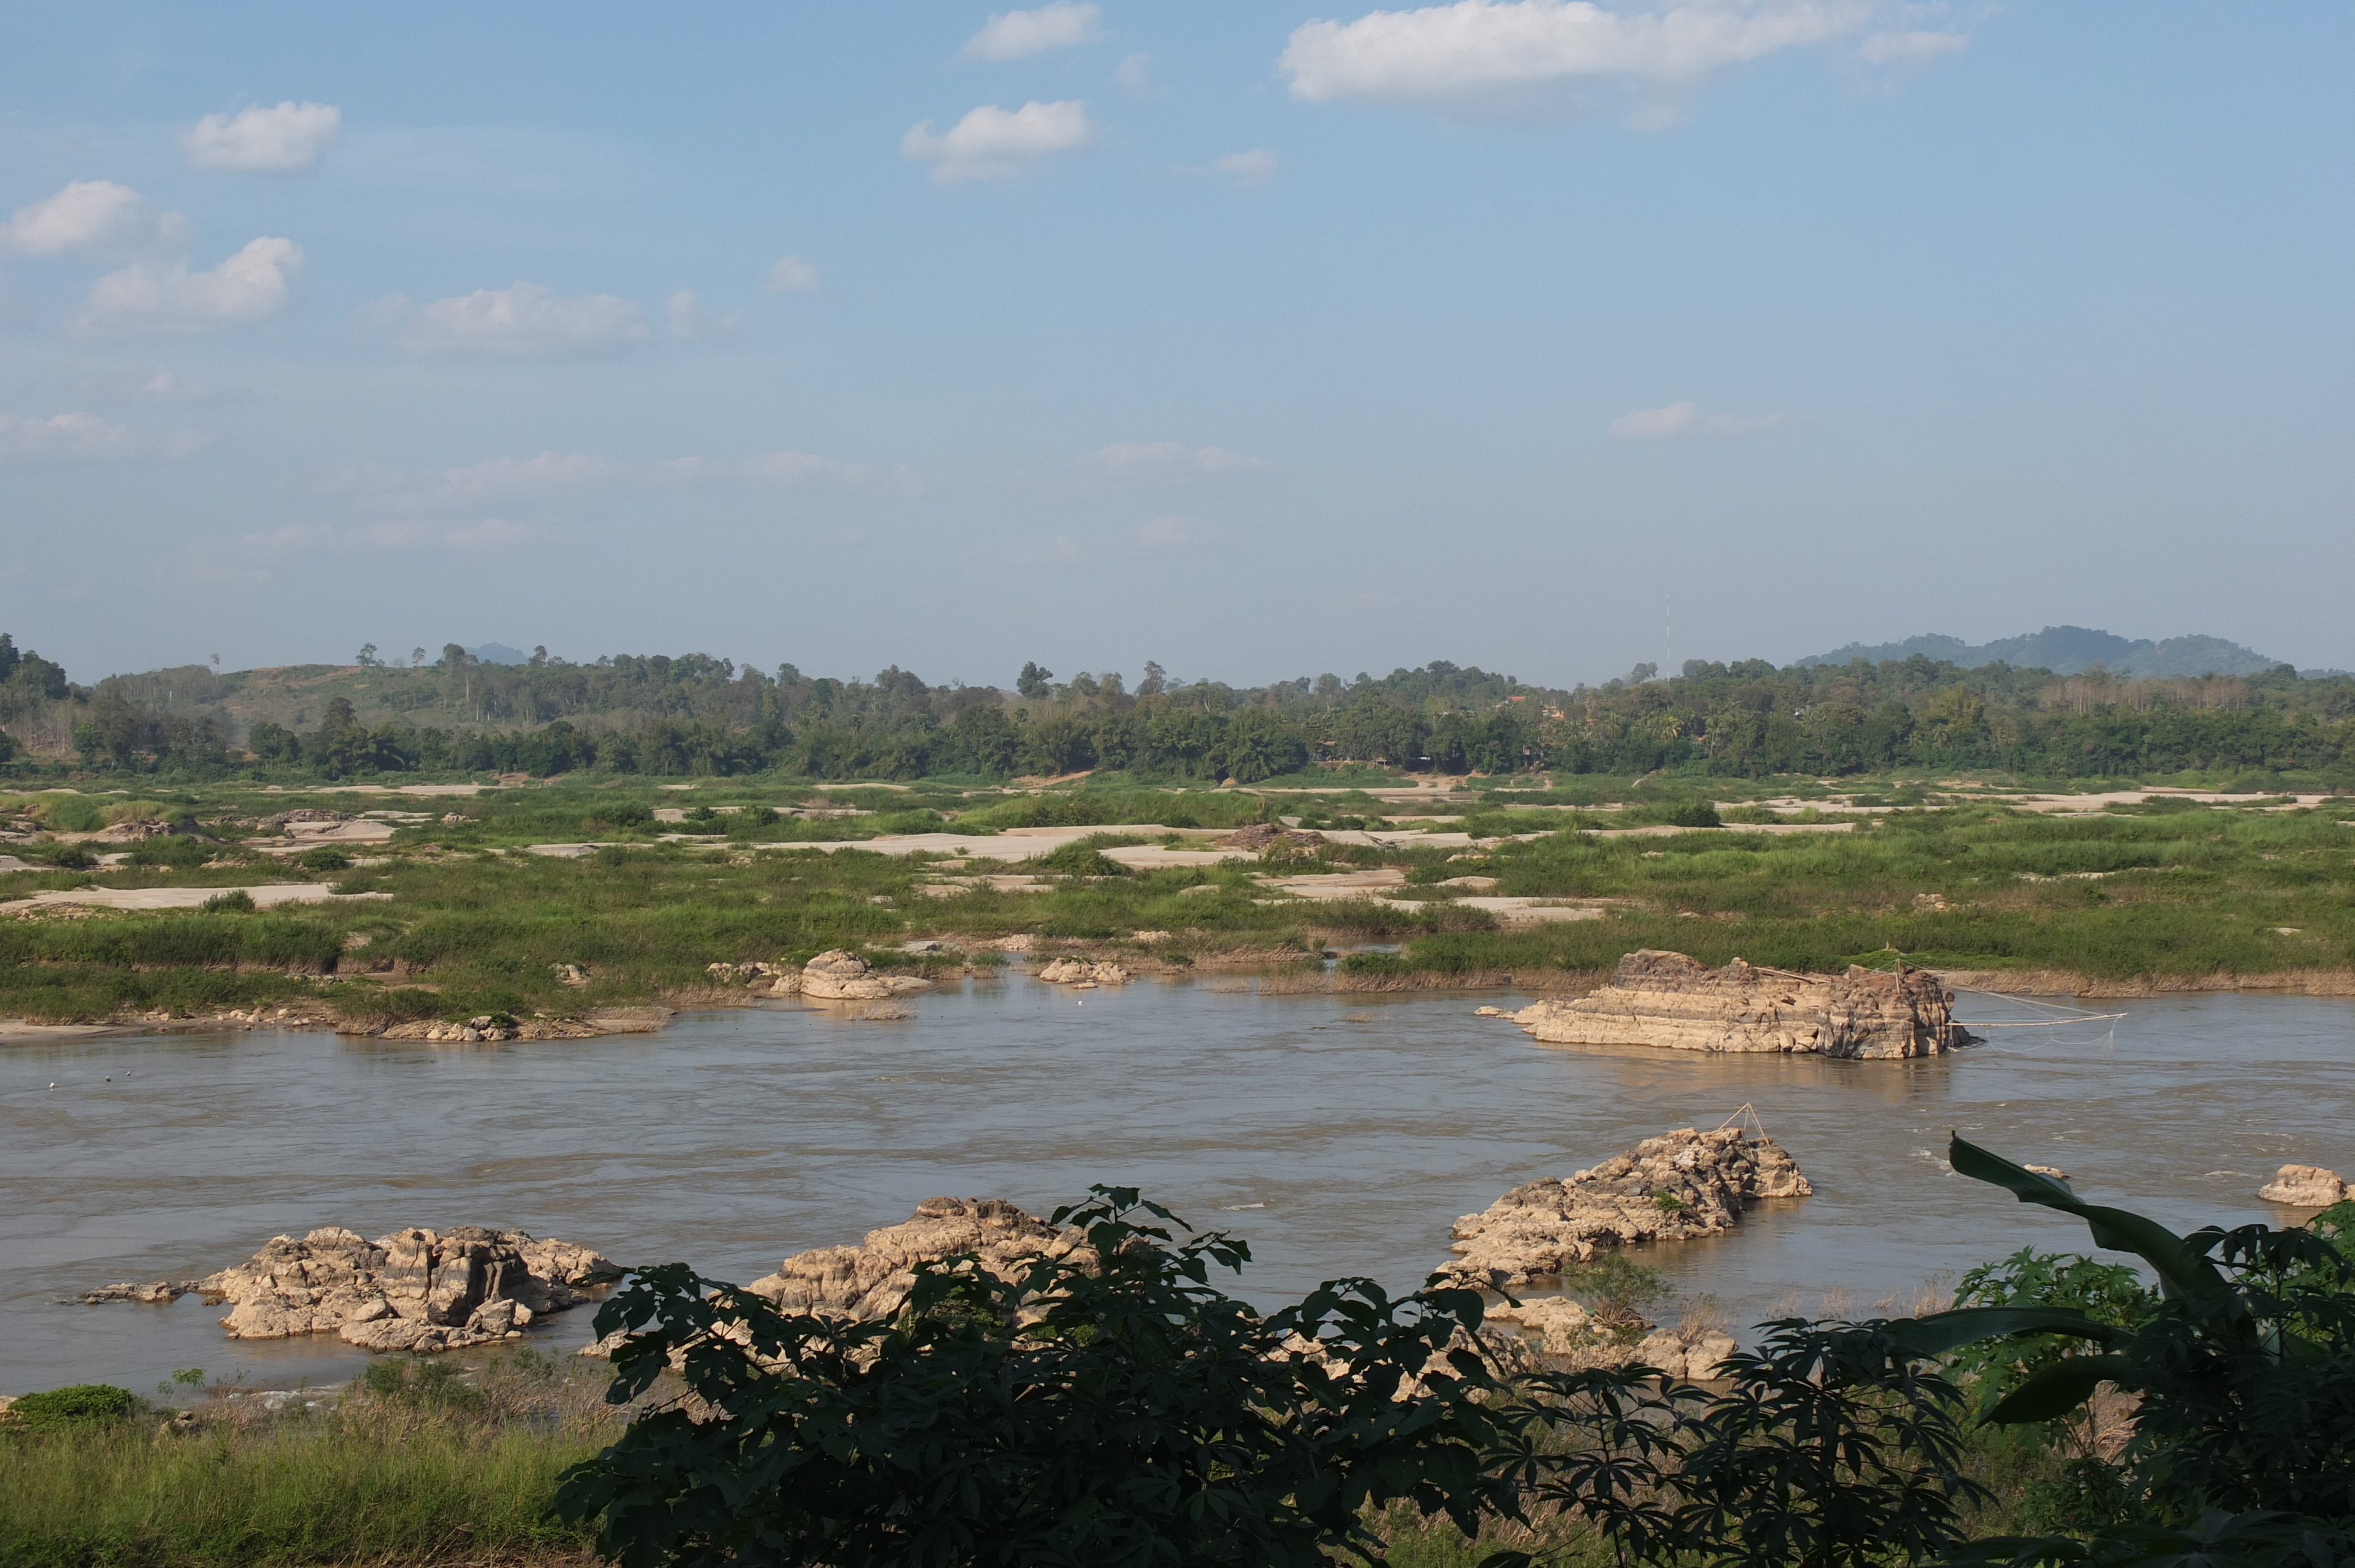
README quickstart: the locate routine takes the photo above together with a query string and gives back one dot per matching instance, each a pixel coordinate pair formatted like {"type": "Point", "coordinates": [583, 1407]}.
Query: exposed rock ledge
{"type": "Point", "coordinates": [1669, 999]}
{"type": "Point", "coordinates": [2304, 1187]}
{"type": "Point", "coordinates": [415, 1289]}
{"type": "Point", "coordinates": [871, 1280]}
{"type": "Point", "coordinates": [1678, 1185]}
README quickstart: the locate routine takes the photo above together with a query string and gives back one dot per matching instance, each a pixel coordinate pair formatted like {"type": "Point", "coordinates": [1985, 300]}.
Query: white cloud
{"type": "Point", "coordinates": [1255, 167]}
{"type": "Point", "coordinates": [1170, 533]}
{"type": "Point", "coordinates": [90, 216]}
{"type": "Point", "coordinates": [688, 320]}
{"type": "Point", "coordinates": [407, 534]}
{"type": "Point", "coordinates": [792, 275]}
{"type": "Point", "coordinates": [1679, 419]}
{"type": "Point", "coordinates": [62, 438]}
{"type": "Point", "coordinates": [525, 321]}
{"type": "Point", "coordinates": [1133, 75]}
{"type": "Point", "coordinates": [158, 298]}
{"type": "Point", "coordinates": [794, 469]}
{"type": "Point", "coordinates": [991, 143]}
{"type": "Point", "coordinates": [1909, 48]}
{"type": "Point", "coordinates": [1011, 34]}
{"type": "Point", "coordinates": [1491, 55]}
{"type": "Point", "coordinates": [260, 140]}
{"type": "Point", "coordinates": [1170, 460]}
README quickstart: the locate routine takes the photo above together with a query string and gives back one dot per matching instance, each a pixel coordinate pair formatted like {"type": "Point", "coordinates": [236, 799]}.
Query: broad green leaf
{"type": "Point", "coordinates": [2056, 1390]}
{"type": "Point", "coordinates": [2182, 1269]}
{"type": "Point", "coordinates": [1938, 1333]}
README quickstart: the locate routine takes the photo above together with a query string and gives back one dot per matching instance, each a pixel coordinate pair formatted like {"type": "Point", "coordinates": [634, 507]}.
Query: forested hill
{"type": "Point", "coordinates": [697, 714]}
{"type": "Point", "coordinates": [2069, 651]}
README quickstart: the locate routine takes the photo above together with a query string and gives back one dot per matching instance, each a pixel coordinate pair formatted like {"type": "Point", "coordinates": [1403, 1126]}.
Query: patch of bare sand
{"type": "Point", "coordinates": [265, 896]}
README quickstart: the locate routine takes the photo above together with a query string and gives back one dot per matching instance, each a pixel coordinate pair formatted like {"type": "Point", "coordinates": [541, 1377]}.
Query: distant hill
{"type": "Point", "coordinates": [499, 653]}
{"type": "Point", "coordinates": [2068, 649]}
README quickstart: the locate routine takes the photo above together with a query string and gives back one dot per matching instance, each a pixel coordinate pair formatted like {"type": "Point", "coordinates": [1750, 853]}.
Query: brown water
{"type": "Point", "coordinates": [1339, 1134]}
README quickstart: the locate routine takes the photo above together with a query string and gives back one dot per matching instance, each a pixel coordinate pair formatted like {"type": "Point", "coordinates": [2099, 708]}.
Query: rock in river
{"type": "Point", "coordinates": [415, 1289]}
{"type": "Point", "coordinates": [873, 1281]}
{"type": "Point", "coordinates": [2304, 1187]}
{"type": "Point", "coordinates": [1669, 999]}
{"type": "Point", "coordinates": [840, 976]}
{"type": "Point", "coordinates": [1680, 1184]}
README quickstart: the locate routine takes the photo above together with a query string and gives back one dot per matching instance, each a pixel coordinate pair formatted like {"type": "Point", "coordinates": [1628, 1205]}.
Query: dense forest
{"type": "Point", "coordinates": [696, 713]}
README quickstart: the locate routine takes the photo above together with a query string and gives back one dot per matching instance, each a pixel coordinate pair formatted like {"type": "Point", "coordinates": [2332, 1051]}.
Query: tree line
{"type": "Point", "coordinates": [697, 714]}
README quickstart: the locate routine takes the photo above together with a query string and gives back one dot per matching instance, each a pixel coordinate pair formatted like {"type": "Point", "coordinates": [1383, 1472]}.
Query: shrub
{"type": "Point", "coordinates": [235, 901]}
{"type": "Point", "coordinates": [323, 859]}
{"type": "Point", "coordinates": [82, 1405]}
{"type": "Point", "coordinates": [1082, 858]}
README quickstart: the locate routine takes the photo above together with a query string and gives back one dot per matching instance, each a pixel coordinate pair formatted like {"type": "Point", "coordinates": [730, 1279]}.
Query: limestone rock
{"type": "Point", "coordinates": [839, 976]}
{"type": "Point", "coordinates": [415, 1289]}
{"type": "Point", "coordinates": [156, 1292]}
{"type": "Point", "coordinates": [1668, 999]}
{"type": "Point", "coordinates": [871, 1281]}
{"type": "Point", "coordinates": [2304, 1187]}
{"type": "Point", "coordinates": [1681, 1184]}
{"type": "Point", "coordinates": [1080, 973]}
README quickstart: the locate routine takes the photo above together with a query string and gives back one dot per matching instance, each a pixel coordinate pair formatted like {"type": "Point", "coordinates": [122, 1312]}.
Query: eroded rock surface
{"type": "Point", "coordinates": [1080, 973]}
{"type": "Point", "coordinates": [415, 1289]}
{"type": "Point", "coordinates": [1678, 1185]}
{"type": "Point", "coordinates": [871, 1280]}
{"type": "Point", "coordinates": [1264, 836]}
{"type": "Point", "coordinates": [1674, 1002]}
{"type": "Point", "coordinates": [2304, 1187]}
{"type": "Point", "coordinates": [840, 976]}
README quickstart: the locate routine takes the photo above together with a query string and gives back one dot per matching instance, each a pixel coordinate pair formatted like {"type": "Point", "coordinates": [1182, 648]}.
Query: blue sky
{"type": "Point", "coordinates": [1257, 341]}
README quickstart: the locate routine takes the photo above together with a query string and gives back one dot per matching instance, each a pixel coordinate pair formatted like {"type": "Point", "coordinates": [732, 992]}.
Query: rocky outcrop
{"type": "Point", "coordinates": [2304, 1187]}
{"type": "Point", "coordinates": [1574, 1340]}
{"type": "Point", "coordinates": [1671, 1001]}
{"type": "Point", "coordinates": [153, 1293]}
{"type": "Point", "coordinates": [840, 976]}
{"type": "Point", "coordinates": [1681, 1184]}
{"type": "Point", "coordinates": [1081, 974]}
{"type": "Point", "coordinates": [415, 1289]}
{"type": "Point", "coordinates": [871, 1280]}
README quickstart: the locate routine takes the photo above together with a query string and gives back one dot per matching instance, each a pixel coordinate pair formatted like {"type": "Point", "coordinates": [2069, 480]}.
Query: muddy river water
{"type": "Point", "coordinates": [1339, 1134]}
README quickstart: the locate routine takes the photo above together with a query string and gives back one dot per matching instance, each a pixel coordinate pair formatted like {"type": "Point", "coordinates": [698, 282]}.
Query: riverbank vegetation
{"type": "Point", "coordinates": [458, 914]}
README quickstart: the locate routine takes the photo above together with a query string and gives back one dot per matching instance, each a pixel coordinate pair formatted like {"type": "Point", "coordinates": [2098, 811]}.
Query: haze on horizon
{"type": "Point", "coordinates": [1250, 340]}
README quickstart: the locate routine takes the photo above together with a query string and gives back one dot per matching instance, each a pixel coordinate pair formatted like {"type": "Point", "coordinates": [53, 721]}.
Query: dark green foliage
{"type": "Point", "coordinates": [1614, 1287]}
{"type": "Point", "coordinates": [1112, 1408]}
{"type": "Point", "coordinates": [235, 901]}
{"type": "Point", "coordinates": [82, 1405]}
{"type": "Point", "coordinates": [1082, 857]}
{"type": "Point", "coordinates": [2110, 1293]}
{"type": "Point", "coordinates": [323, 859]}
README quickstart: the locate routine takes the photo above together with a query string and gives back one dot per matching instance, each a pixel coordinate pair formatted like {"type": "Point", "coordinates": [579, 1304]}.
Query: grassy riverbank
{"type": "Point", "coordinates": [2174, 893]}
{"type": "Point", "coordinates": [413, 1464]}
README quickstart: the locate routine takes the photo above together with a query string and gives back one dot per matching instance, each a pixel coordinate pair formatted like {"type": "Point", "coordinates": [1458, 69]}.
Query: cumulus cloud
{"type": "Point", "coordinates": [469, 485]}
{"type": "Point", "coordinates": [1135, 74]}
{"type": "Point", "coordinates": [1682, 420]}
{"type": "Point", "coordinates": [991, 143]}
{"type": "Point", "coordinates": [1484, 56]}
{"type": "Point", "coordinates": [1011, 35]}
{"type": "Point", "coordinates": [792, 275]}
{"type": "Point", "coordinates": [1170, 533]}
{"type": "Point", "coordinates": [149, 298]}
{"type": "Point", "coordinates": [1173, 460]}
{"type": "Point", "coordinates": [261, 140]}
{"type": "Point", "coordinates": [1255, 167]}
{"type": "Point", "coordinates": [690, 321]}
{"type": "Point", "coordinates": [525, 321]}
{"type": "Point", "coordinates": [92, 216]}
{"type": "Point", "coordinates": [1908, 48]}
{"type": "Point", "coordinates": [62, 438]}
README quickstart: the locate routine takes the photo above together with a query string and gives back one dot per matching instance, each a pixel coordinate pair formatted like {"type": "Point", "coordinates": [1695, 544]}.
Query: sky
{"type": "Point", "coordinates": [1258, 340]}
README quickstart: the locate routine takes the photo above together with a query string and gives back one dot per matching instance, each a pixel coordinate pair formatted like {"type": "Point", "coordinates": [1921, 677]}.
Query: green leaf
{"type": "Point", "coordinates": [2182, 1269]}
{"type": "Point", "coordinates": [2057, 1389]}
{"type": "Point", "coordinates": [1938, 1333]}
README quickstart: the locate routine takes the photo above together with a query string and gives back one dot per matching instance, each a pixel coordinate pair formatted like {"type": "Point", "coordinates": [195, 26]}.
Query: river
{"type": "Point", "coordinates": [1340, 1133]}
